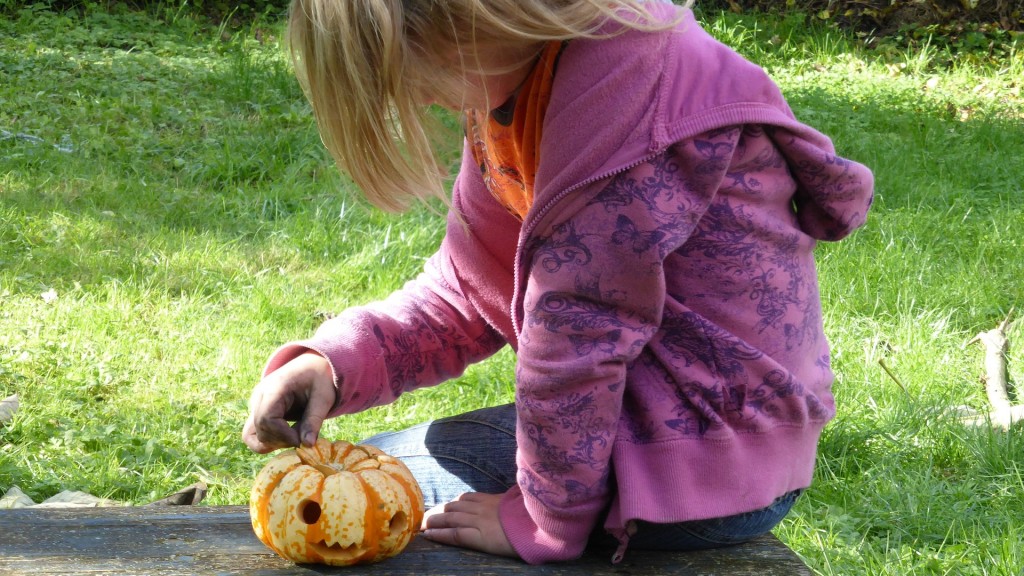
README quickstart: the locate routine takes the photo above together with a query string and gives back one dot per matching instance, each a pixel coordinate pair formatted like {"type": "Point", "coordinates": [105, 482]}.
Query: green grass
{"type": "Point", "coordinates": [179, 205]}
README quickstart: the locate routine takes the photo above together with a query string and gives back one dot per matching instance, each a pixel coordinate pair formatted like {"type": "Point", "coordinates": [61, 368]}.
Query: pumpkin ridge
{"type": "Point", "coordinates": [341, 450]}
{"type": "Point", "coordinates": [346, 528]}
{"type": "Point", "coordinates": [373, 506]}
{"type": "Point", "coordinates": [263, 512]}
{"type": "Point", "coordinates": [412, 489]}
{"type": "Point", "coordinates": [314, 531]}
{"type": "Point", "coordinates": [300, 485]}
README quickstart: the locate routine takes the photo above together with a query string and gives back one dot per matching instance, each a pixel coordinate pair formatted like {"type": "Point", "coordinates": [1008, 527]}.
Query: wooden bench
{"type": "Point", "coordinates": [220, 540]}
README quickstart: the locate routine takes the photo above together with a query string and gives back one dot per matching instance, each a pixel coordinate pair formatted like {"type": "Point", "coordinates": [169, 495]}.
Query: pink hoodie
{"type": "Point", "coordinates": [661, 295]}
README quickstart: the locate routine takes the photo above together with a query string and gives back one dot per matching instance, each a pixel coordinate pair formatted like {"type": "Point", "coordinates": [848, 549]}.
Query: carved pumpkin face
{"type": "Point", "coordinates": [335, 503]}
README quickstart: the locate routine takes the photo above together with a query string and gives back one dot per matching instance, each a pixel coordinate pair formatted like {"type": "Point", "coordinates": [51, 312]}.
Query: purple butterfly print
{"type": "Point", "coordinates": [605, 343]}
{"type": "Point", "coordinates": [621, 192]}
{"type": "Point", "coordinates": [626, 232]}
{"type": "Point", "coordinates": [716, 156]}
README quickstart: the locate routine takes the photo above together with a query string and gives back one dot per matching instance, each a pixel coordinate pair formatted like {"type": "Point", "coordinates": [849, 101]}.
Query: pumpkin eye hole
{"type": "Point", "coordinates": [310, 511]}
{"type": "Point", "coordinates": [398, 523]}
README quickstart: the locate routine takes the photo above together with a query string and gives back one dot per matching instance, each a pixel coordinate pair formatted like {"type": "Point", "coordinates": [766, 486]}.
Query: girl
{"type": "Point", "coordinates": [635, 216]}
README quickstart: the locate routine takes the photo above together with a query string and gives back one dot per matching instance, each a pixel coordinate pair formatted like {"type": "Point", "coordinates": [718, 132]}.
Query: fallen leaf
{"type": "Point", "coordinates": [76, 499]}
{"type": "Point", "coordinates": [8, 406]}
{"type": "Point", "coordinates": [15, 498]}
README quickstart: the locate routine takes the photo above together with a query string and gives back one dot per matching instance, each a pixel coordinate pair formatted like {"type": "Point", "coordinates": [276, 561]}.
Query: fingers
{"type": "Point", "coordinates": [303, 390]}
{"type": "Point", "coordinates": [453, 524]}
{"type": "Point", "coordinates": [265, 445]}
{"type": "Point", "coordinates": [470, 521]}
{"type": "Point", "coordinates": [441, 516]}
{"type": "Point", "coordinates": [476, 497]}
{"type": "Point", "coordinates": [321, 400]}
{"type": "Point", "coordinates": [449, 515]}
{"type": "Point", "coordinates": [463, 537]}
{"type": "Point", "coordinates": [265, 429]}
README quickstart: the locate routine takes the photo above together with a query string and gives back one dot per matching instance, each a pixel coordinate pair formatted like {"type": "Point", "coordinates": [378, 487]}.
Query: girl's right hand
{"type": "Point", "coordinates": [302, 391]}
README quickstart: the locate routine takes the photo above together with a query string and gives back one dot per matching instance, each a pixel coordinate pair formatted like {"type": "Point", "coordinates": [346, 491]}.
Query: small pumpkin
{"type": "Point", "coordinates": [335, 503]}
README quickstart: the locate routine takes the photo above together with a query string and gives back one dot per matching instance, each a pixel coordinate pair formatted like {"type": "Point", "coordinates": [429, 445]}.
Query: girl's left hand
{"type": "Point", "coordinates": [469, 521]}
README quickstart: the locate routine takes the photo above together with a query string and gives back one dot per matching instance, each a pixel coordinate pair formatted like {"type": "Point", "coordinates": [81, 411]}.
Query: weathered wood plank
{"type": "Point", "coordinates": [220, 540]}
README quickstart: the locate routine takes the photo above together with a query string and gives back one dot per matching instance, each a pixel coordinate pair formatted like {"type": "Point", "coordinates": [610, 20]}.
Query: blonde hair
{"type": "Point", "coordinates": [369, 68]}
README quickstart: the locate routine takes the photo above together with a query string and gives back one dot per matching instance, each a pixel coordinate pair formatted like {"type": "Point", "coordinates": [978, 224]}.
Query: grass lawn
{"type": "Point", "coordinates": [168, 217]}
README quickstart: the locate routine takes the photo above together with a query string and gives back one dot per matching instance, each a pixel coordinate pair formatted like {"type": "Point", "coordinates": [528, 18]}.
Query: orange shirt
{"type": "Point", "coordinates": [505, 148]}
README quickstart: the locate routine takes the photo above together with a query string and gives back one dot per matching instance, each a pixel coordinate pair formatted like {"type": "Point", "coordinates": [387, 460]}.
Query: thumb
{"type": "Point", "coordinates": [321, 400]}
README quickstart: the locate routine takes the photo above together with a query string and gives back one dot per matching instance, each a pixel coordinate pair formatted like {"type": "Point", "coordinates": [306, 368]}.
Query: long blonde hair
{"type": "Point", "coordinates": [369, 67]}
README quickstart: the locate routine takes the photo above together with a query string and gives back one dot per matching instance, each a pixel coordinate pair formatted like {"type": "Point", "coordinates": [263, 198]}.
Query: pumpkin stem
{"type": "Point", "coordinates": [310, 457]}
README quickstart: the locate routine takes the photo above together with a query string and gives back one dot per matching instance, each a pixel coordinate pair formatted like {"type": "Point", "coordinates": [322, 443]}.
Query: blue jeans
{"type": "Point", "coordinates": [475, 452]}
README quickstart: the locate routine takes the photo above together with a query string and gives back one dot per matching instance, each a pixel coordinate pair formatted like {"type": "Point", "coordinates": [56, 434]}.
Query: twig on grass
{"type": "Point", "coordinates": [1003, 414]}
{"type": "Point", "coordinates": [881, 362]}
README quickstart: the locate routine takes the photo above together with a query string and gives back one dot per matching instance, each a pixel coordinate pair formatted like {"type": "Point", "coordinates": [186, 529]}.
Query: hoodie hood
{"type": "Point", "coordinates": [682, 83]}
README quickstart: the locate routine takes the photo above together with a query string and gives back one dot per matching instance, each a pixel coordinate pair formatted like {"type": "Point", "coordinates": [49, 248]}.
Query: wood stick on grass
{"type": "Point", "coordinates": [1003, 413]}
{"type": "Point", "coordinates": [881, 362]}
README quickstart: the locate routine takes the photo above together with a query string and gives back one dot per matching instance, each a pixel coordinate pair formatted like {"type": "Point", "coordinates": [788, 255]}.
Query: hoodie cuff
{"type": "Point", "coordinates": [549, 540]}
{"type": "Point", "coordinates": [293, 350]}
{"type": "Point", "coordinates": [355, 364]}
{"type": "Point", "coordinates": [286, 354]}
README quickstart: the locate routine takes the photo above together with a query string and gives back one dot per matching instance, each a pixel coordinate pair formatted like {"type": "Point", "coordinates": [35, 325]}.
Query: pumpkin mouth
{"type": "Point", "coordinates": [325, 549]}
